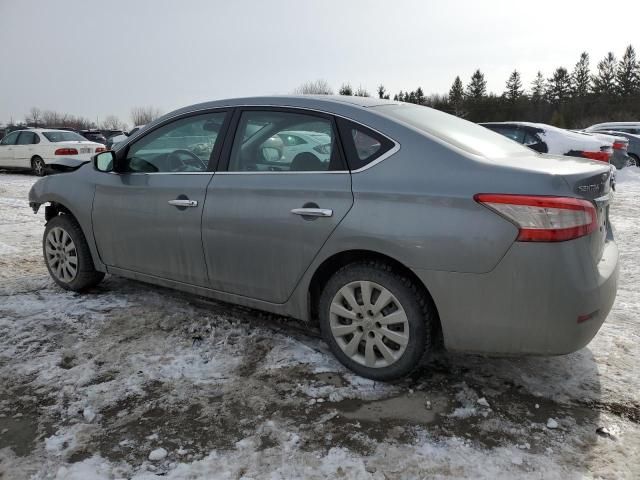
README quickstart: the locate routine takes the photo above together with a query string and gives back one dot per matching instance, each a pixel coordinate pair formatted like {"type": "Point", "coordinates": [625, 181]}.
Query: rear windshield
{"type": "Point", "coordinates": [460, 133]}
{"type": "Point", "coordinates": [63, 137]}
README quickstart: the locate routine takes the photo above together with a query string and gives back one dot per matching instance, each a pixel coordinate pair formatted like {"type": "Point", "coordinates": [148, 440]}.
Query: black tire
{"type": "Point", "coordinates": [38, 167]}
{"type": "Point", "coordinates": [86, 275]}
{"type": "Point", "coordinates": [417, 306]}
{"type": "Point", "coordinates": [635, 160]}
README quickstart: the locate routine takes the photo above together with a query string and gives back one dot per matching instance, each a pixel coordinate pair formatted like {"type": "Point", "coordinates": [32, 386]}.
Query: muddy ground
{"type": "Point", "coordinates": [91, 384]}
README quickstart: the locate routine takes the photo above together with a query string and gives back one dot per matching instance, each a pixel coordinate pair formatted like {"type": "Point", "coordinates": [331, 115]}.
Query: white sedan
{"type": "Point", "coordinates": [37, 147]}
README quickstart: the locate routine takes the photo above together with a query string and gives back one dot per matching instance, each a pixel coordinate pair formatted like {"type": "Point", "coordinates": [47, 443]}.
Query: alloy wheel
{"type": "Point", "coordinates": [38, 166]}
{"type": "Point", "coordinates": [61, 254]}
{"type": "Point", "coordinates": [369, 324]}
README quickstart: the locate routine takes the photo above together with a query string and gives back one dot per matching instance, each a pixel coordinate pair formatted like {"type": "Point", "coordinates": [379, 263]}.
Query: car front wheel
{"type": "Point", "coordinates": [376, 321]}
{"type": "Point", "coordinates": [67, 255]}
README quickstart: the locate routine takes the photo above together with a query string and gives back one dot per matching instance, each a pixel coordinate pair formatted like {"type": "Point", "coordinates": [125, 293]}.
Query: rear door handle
{"type": "Point", "coordinates": [183, 203]}
{"type": "Point", "coordinates": [313, 212]}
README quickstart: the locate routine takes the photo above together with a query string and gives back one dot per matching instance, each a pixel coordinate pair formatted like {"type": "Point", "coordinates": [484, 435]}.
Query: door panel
{"type": "Point", "coordinates": [7, 146]}
{"type": "Point", "coordinates": [254, 245]}
{"type": "Point", "coordinates": [147, 218]}
{"type": "Point", "coordinates": [137, 229]}
{"type": "Point", "coordinates": [24, 149]}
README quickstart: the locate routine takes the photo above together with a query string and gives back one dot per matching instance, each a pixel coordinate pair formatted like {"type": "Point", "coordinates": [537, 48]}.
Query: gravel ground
{"type": "Point", "coordinates": [135, 381]}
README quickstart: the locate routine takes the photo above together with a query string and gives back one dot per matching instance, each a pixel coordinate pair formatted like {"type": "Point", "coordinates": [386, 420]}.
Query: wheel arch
{"type": "Point", "coordinates": [54, 207]}
{"type": "Point", "coordinates": [338, 260]}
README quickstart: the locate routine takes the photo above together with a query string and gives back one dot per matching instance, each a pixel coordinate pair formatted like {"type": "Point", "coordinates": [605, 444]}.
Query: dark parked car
{"type": "Point", "coordinates": [94, 136]}
{"type": "Point", "coordinates": [633, 148]}
{"type": "Point", "coordinates": [409, 225]}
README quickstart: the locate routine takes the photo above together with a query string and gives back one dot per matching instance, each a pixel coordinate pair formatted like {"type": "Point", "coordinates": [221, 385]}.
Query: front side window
{"type": "Point", "coordinates": [274, 141]}
{"type": "Point", "coordinates": [184, 145]}
{"type": "Point", "coordinates": [10, 139]}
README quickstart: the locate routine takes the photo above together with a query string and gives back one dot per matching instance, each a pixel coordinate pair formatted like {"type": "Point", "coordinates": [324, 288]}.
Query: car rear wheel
{"type": "Point", "coordinates": [634, 161]}
{"type": "Point", "coordinates": [67, 255]}
{"type": "Point", "coordinates": [38, 166]}
{"type": "Point", "coordinates": [375, 320]}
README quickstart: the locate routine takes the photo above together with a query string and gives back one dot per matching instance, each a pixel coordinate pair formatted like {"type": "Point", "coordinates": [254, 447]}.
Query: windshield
{"type": "Point", "coordinates": [62, 136]}
{"type": "Point", "coordinates": [460, 133]}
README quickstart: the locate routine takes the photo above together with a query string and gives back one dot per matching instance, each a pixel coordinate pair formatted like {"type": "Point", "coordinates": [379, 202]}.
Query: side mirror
{"type": "Point", "coordinates": [103, 162]}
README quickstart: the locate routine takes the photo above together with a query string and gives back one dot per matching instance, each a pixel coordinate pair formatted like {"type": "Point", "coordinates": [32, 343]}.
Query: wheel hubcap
{"type": "Point", "coordinates": [369, 324]}
{"type": "Point", "coordinates": [61, 255]}
{"type": "Point", "coordinates": [39, 167]}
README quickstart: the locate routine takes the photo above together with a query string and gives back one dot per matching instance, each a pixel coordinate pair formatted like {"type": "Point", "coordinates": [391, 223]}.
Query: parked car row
{"type": "Point", "coordinates": [35, 148]}
{"type": "Point", "coordinates": [606, 146]}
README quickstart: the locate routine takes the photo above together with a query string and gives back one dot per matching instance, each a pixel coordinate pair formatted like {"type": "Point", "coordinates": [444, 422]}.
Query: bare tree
{"type": "Point", "coordinates": [144, 115]}
{"type": "Point", "coordinates": [54, 119]}
{"type": "Point", "coordinates": [314, 87]}
{"type": "Point", "coordinates": [35, 117]}
{"type": "Point", "coordinates": [111, 122]}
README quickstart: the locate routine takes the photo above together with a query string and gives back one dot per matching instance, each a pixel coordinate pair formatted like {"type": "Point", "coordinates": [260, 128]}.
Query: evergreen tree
{"type": "Point", "coordinates": [477, 88]}
{"type": "Point", "coordinates": [559, 86]}
{"type": "Point", "coordinates": [580, 77]}
{"type": "Point", "coordinates": [514, 87]}
{"type": "Point", "coordinates": [628, 73]}
{"type": "Point", "coordinates": [346, 89]}
{"type": "Point", "coordinates": [537, 88]}
{"type": "Point", "coordinates": [419, 96]}
{"type": "Point", "coordinates": [604, 82]}
{"type": "Point", "coordinates": [456, 94]}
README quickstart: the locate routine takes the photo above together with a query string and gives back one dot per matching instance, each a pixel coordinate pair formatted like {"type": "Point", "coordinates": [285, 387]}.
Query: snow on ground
{"type": "Point", "coordinates": [134, 381]}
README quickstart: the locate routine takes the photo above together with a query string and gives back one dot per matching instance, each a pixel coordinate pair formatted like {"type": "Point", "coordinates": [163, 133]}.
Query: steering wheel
{"type": "Point", "coordinates": [177, 164]}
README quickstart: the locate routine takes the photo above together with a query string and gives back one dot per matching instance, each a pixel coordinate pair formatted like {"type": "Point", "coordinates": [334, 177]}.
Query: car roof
{"type": "Point", "coordinates": [615, 124]}
{"type": "Point", "coordinates": [303, 101]}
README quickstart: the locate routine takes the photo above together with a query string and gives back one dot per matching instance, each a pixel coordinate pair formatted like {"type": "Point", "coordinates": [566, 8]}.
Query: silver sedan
{"type": "Point", "coordinates": [406, 229]}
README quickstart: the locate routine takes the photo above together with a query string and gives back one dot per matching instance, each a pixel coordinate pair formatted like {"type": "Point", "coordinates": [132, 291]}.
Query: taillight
{"type": "Point", "coordinates": [101, 149]}
{"type": "Point", "coordinates": [600, 156]}
{"type": "Point", "coordinates": [66, 151]}
{"type": "Point", "coordinates": [620, 145]}
{"type": "Point", "coordinates": [542, 218]}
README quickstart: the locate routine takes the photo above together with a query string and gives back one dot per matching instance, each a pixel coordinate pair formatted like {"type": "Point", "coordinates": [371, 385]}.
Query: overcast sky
{"type": "Point", "coordinates": [95, 58]}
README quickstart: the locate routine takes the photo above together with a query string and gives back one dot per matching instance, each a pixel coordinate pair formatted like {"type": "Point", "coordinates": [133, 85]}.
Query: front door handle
{"type": "Point", "coordinates": [183, 203]}
{"type": "Point", "coordinates": [313, 212]}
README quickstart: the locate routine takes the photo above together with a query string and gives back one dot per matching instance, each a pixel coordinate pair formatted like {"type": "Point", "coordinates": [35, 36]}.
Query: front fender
{"type": "Point", "coordinates": [71, 193]}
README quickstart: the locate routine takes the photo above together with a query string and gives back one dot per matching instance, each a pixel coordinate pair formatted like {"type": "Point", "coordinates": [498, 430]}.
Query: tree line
{"type": "Point", "coordinates": [569, 99]}
{"type": "Point", "coordinates": [38, 118]}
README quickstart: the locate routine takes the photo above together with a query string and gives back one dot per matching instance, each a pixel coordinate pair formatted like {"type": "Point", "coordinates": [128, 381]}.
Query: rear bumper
{"type": "Point", "coordinates": [542, 298]}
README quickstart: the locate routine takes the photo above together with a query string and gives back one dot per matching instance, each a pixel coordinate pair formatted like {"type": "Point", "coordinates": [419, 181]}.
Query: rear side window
{"type": "Point", "coordinates": [27, 138]}
{"type": "Point", "coordinates": [284, 141]}
{"type": "Point", "coordinates": [362, 145]}
{"type": "Point", "coordinates": [531, 139]}
{"type": "Point", "coordinates": [513, 133]}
